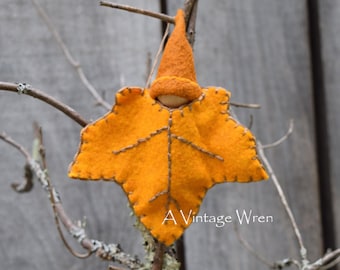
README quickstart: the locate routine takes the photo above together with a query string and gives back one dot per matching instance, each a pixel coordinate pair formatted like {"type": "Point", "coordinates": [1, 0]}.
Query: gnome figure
{"type": "Point", "coordinates": [175, 83]}
{"type": "Point", "coordinates": [168, 145]}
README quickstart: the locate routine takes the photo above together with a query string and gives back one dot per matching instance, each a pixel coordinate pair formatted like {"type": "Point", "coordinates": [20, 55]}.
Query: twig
{"type": "Point", "coordinates": [105, 251]}
{"type": "Point", "coordinates": [283, 138]}
{"type": "Point", "coordinates": [158, 257]}
{"type": "Point", "coordinates": [250, 248]}
{"type": "Point", "coordinates": [331, 264]}
{"type": "Point", "coordinates": [111, 267]}
{"type": "Point", "coordinates": [69, 56]}
{"type": "Point", "coordinates": [163, 17]}
{"type": "Point", "coordinates": [38, 151]}
{"type": "Point", "coordinates": [245, 105]}
{"type": "Point", "coordinates": [190, 10]}
{"type": "Point", "coordinates": [286, 263]}
{"type": "Point", "coordinates": [303, 250]}
{"type": "Point", "coordinates": [30, 91]}
{"type": "Point", "coordinates": [9, 140]}
{"type": "Point", "coordinates": [251, 121]}
{"type": "Point", "coordinates": [38, 154]}
{"type": "Point", "coordinates": [180, 252]}
{"type": "Point", "coordinates": [27, 185]}
{"type": "Point", "coordinates": [329, 260]}
{"type": "Point", "coordinates": [160, 49]}
{"type": "Point", "coordinates": [148, 66]}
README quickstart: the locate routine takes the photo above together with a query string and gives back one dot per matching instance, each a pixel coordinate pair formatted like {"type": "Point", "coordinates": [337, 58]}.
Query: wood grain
{"type": "Point", "coordinates": [330, 27]}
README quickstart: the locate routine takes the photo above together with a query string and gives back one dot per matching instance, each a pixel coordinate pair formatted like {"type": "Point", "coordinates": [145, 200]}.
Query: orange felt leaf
{"type": "Point", "coordinates": [166, 159]}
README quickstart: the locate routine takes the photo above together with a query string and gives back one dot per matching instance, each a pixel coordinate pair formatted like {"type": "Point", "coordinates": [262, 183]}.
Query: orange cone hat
{"type": "Point", "coordinates": [176, 74]}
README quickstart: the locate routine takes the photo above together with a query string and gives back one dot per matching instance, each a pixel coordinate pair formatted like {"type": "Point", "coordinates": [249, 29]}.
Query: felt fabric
{"type": "Point", "coordinates": [166, 159]}
{"type": "Point", "coordinates": [176, 72]}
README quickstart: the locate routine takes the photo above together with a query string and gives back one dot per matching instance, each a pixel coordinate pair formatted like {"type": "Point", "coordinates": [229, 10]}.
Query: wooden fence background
{"type": "Point", "coordinates": [265, 51]}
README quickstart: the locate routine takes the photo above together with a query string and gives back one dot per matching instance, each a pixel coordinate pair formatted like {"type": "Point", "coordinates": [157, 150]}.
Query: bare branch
{"type": "Point", "coordinates": [105, 251]}
{"type": "Point", "coordinates": [28, 90]}
{"type": "Point", "coordinates": [111, 267]}
{"type": "Point", "coordinates": [27, 185]}
{"type": "Point", "coordinates": [190, 10]}
{"type": "Point", "coordinates": [329, 260]}
{"type": "Point", "coordinates": [283, 138]}
{"type": "Point", "coordinates": [331, 264]}
{"type": "Point", "coordinates": [38, 154]}
{"type": "Point", "coordinates": [160, 49]}
{"type": "Point", "coordinates": [160, 16]}
{"type": "Point", "coordinates": [245, 105]}
{"type": "Point", "coordinates": [9, 140]}
{"type": "Point", "coordinates": [251, 121]}
{"type": "Point", "coordinates": [286, 263]}
{"type": "Point", "coordinates": [69, 56]}
{"type": "Point", "coordinates": [158, 257]}
{"type": "Point", "coordinates": [248, 247]}
{"type": "Point", "coordinates": [303, 250]}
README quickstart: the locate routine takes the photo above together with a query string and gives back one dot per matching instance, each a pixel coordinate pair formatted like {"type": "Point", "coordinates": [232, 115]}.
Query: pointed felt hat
{"type": "Point", "coordinates": [176, 74]}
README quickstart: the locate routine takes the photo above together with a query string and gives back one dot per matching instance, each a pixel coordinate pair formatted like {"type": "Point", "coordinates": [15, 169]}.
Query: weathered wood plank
{"type": "Point", "coordinates": [259, 50]}
{"type": "Point", "coordinates": [112, 47]}
{"type": "Point", "coordinates": [330, 23]}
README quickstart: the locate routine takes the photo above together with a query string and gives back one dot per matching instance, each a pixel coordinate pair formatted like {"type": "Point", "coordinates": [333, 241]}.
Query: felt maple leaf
{"type": "Point", "coordinates": [167, 155]}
